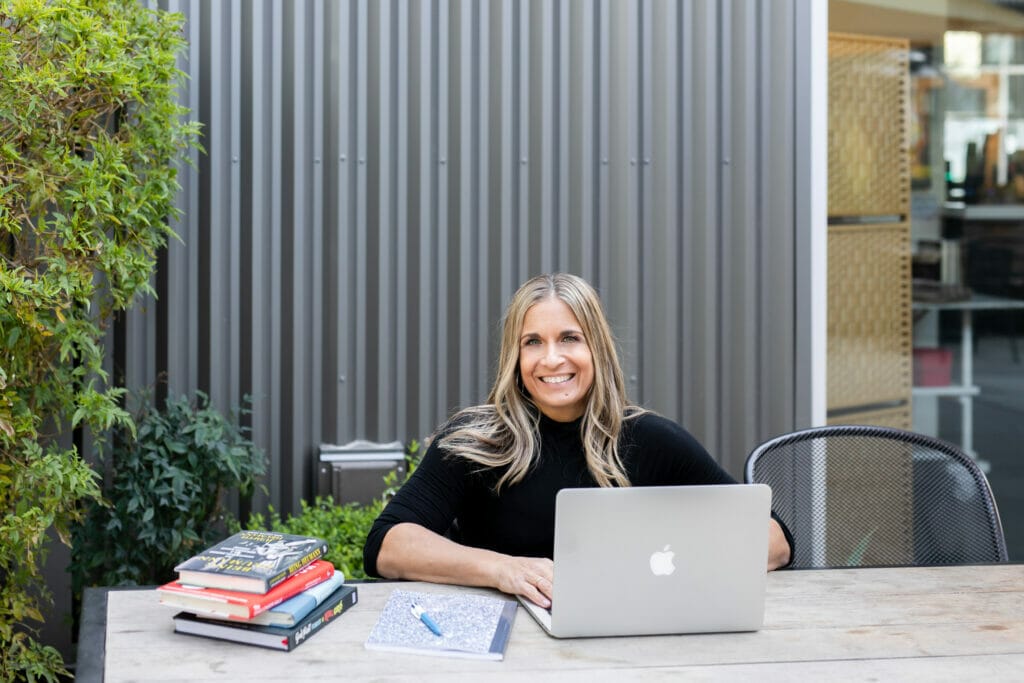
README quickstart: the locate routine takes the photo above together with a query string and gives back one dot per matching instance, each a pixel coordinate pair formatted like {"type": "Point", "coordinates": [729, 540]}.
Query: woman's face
{"type": "Point", "coordinates": [555, 360]}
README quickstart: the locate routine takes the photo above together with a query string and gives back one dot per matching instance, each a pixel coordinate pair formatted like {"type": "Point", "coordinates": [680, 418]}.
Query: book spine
{"type": "Point", "coordinates": [320, 616]}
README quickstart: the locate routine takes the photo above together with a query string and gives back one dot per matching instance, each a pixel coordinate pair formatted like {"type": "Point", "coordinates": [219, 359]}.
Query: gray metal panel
{"type": "Point", "coordinates": [380, 176]}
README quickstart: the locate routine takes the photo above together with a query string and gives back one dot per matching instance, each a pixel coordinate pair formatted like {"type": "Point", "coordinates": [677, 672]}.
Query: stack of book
{"type": "Point", "coordinates": [258, 587]}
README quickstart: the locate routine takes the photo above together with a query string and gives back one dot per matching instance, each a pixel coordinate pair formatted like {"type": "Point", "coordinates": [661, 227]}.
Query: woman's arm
{"type": "Point", "coordinates": [411, 551]}
{"type": "Point", "coordinates": [779, 552]}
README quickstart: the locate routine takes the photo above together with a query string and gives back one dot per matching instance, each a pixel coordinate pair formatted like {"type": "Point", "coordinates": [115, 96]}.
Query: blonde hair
{"type": "Point", "coordinates": [503, 432]}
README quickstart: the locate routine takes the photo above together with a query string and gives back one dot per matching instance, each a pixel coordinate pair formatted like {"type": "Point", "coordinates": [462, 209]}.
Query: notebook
{"type": "Point", "coordinates": [658, 560]}
{"type": "Point", "coordinates": [468, 625]}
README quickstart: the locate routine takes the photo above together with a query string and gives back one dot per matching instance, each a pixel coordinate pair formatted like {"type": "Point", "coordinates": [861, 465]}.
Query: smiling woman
{"type": "Point", "coordinates": [555, 361]}
{"type": "Point", "coordinates": [480, 508]}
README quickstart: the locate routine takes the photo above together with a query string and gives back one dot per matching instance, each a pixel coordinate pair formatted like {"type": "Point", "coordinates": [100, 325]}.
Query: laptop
{"type": "Point", "coordinates": [658, 560]}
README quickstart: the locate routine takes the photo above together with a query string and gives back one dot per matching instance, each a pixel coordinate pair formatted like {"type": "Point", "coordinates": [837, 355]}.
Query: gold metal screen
{"type": "Point", "coordinates": [869, 315]}
{"type": "Point", "coordinates": [869, 353]}
{"type": "Point", "coordinates": [868, 146]}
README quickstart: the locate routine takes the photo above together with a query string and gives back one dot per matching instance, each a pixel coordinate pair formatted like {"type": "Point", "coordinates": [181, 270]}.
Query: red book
{"type": "Point", "coordinates": [236, 604]}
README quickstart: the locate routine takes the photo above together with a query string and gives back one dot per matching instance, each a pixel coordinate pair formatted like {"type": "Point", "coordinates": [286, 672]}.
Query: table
{"type": "Point", "coordinates": [935, 623]}
{"type": "Point", "coordinates": [966, 389]}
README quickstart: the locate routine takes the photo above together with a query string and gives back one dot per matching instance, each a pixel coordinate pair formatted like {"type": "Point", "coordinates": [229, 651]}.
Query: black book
{"type": "Point", "coordinates": [251, 561]}
{"type": "Point", "coordinates": [275, 637]}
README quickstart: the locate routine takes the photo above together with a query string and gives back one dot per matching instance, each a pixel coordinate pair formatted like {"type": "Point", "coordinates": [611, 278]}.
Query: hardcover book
{"type": "Point", "coordinates": [470, 625]}
{"type": "Point", "coordinates": [270, 636]}
{"type": "Point", "coordinates": [238, 604]}
{"type": "Point", "coordinates": [251, 561]}
{"type": "Point", "coordinates": [294, 609]}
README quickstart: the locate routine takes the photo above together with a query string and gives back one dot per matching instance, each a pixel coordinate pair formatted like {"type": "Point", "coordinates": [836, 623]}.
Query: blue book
{"type": "Point", "coordinates": [293, 610]}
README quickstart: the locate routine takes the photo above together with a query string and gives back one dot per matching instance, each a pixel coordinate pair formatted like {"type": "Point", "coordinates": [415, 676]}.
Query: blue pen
{"type": "Point", "coordinates": [420, 614]}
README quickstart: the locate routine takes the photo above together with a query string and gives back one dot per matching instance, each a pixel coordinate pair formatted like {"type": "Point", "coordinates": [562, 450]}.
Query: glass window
{"type": "Point", "coordinates": [965, 138]}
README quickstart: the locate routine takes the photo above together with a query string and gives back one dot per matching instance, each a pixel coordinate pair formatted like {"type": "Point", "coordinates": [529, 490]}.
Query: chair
{"type": "Point", "coordinates": [877, 496]}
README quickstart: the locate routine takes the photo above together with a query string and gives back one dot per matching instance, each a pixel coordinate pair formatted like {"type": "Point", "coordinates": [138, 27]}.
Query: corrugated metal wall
{"type": "Point", "coordinates": [380, 176]}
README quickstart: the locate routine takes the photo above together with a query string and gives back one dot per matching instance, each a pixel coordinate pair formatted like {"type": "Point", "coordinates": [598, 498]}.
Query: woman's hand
{"type": "Point", "coordinates": [778, 547]}
{"type": "Point", "coordinates": [531, 577]}
{"type": "Point", "coordinates": [410, 551]}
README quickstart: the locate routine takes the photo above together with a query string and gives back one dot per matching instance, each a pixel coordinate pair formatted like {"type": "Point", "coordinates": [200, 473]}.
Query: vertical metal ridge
{"type": "Point", "coordinates": [346, 38]}
{"type": "Point", "coordinates": [210, 24]}
{"type": "Point", "coordinates": [467, 189]}
{"type": "Point", "coordinates": [723, 176]}
{"type": "Point", "coordinates": [426, 387]}
{"type": "Point", "coordinates": [315, 163]}
{"type": "Point", "coordinates": [296, 327]}
{"type": "Point", "coordinates": [384, 172]}
{"type": "Point", "coordinates": [233, 295]}
{"type": "Point", "coordinates": [360, 373]}
{"type": "Point", "coordinates": [645, 197]}
{"type": "Point", "coordinates": [524, 267]}
{"type": "Point", "coordinates": [482, 286]}
{"type": "Point", "coordinates": [254, 216]}
{"type": "Point", "coordinates": [506, 163]}
{"type": "Point", "coordinates": [684, 203]}
{"type": "Point", "coordinates": [543, 149]}
{"type": "Point", "coordinates": [582, 142]}
{"type": "Point", "coordinates": [566, 247]}
{"type": "Point", "coordinates": [603, 97]}
{"type": "Point", "coordinates": [399, 398]}
{"type": "Point", "coordinates": [276, 380]}
{"type": "Point", "coordinates": [441, 226]}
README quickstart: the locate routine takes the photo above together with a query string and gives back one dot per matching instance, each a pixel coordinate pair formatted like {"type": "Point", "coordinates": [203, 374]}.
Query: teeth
{"type": "Point", "coordinates": [556, 380]}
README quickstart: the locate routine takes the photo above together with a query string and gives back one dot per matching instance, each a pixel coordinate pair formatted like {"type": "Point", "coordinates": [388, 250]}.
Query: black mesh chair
{"type": "Point", "coordinates": [875, 496]}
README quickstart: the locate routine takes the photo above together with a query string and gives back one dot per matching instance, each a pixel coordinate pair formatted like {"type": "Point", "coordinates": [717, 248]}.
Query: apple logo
{"type": "Point", "coordinates": [661, 562]}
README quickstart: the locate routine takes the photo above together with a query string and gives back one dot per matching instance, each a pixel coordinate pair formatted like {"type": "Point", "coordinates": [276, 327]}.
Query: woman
{"type": "Point", "coordinates": [556, 417]}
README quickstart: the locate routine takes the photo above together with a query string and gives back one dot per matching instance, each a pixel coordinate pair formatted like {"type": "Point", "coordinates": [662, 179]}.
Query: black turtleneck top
{"type": "Point", "coordinates": [521, 519]}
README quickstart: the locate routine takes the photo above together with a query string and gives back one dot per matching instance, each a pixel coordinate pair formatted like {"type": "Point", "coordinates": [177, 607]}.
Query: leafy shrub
{"type": "Point", "coordinates": [164, 499]}
{"type": "Point", "coordinates": [344, 527]}
{"type": "Point", "coordinates": [90, 132]}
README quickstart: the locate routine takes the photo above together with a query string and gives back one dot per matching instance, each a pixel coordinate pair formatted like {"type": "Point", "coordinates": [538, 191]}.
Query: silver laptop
{"type": "Point", "coordinates": [658, 560]}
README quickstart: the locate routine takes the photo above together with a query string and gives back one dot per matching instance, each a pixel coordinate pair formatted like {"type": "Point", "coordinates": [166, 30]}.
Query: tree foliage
{"type": "Point", "coordinates": [90, 130]}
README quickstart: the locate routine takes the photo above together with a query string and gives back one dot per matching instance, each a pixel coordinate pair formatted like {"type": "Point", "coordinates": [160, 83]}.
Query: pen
{"type": "Point", "coordinates": [420, 614]}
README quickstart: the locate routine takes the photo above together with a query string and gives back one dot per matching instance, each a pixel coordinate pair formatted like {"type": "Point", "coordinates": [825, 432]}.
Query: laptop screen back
{"type": "Point", "coordinates": [650, 560]}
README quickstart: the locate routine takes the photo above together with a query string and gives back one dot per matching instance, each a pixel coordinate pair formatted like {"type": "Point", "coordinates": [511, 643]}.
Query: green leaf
{"type": "Point", "coordinates": [856, 558]}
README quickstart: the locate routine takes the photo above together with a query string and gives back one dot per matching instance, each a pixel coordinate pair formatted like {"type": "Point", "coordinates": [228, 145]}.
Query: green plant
{"type": "Point", "coordinates": [164, 498]}
{"type": "Point", "coordinates": [344, 527]}
{"type": "Point", "coordinates": [90, 131]}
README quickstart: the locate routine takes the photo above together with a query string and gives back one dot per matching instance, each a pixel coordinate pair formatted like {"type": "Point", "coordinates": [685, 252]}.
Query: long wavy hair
{"type": "Point", "coordinates": [503, 431]}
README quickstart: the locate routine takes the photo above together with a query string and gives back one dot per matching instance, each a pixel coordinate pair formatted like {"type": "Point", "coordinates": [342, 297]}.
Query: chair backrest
{"type": "Point", "coordinates": [876, 496]}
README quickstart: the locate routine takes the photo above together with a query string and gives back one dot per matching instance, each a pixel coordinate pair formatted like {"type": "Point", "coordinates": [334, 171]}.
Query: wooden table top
{"type": "Point", "coordinates": [924, 623]}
